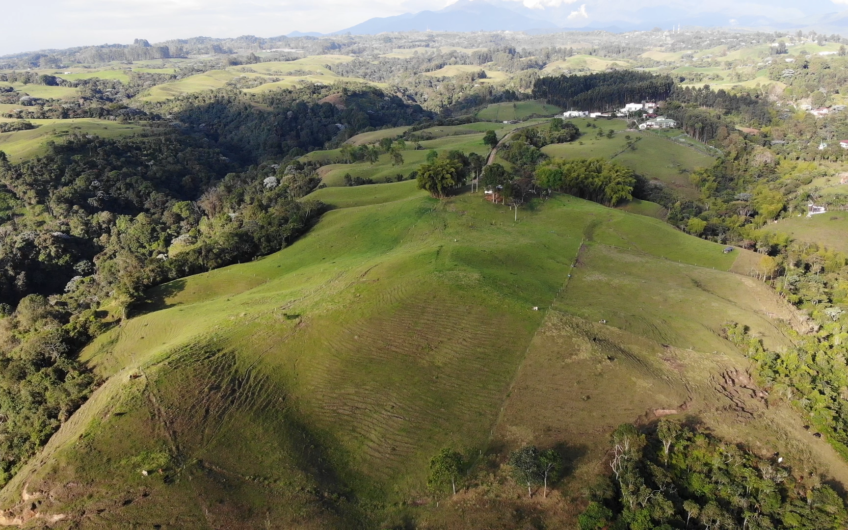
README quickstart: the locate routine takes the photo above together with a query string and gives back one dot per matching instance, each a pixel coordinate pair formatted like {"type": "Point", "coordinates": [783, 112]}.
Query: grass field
{"type": "Point", "coordinates": [20, 145]}
{"type": "Point", "coordinates": [44, 92]}
{"type": "Point", "coordinates": [647, 208]}
{"type": "Point", "coordinates": [375, 136]}
{"type": "Point", "coordinates": [655, 157]}
{"type": "Point", "coordinates": [118, 75]}
{"type": "Point", "coordinates": [310, 70]}
{"type": "Point", "coordinates": [333, 174]}
{"type": "Point", "coordinates": [829, 229]}
{"type": "Point", "coordinates": [334, 369]}
{"type": "Point", "coordinates": [585, 62]}
{"type": "Point", "coordinates": [519, 110]}
{"type": "Point", "coordinates": [195, 83]}
{"type": "Point", "coordinates": [492, 76]}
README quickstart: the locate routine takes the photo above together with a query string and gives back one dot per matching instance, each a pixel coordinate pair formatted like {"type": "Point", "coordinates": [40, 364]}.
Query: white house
{"type": "Point", "coordinates": [575, 114]}
{"type": "Point", "coordinates": [843, 144]}
{"type": "Point", "coordinates": [598, 115]}
{"type": "Point", "coordinates": [632, 107]}
{"type": "Point", "coordinates": [820, 112]}
{"type": "Point", "coordinates": [822, 146]}
{"type": "Point", "coordinates": [812, 210]}
{"type": "Point", "coordinates": [658, 123]}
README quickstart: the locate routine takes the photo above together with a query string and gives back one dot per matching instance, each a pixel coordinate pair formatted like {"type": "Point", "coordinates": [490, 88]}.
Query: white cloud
{"type": "Point", "coordinates": [580, 13]}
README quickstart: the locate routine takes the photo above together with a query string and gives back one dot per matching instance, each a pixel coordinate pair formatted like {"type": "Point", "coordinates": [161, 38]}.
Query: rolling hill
{"type": "Point", "coordinates": [310, 388]}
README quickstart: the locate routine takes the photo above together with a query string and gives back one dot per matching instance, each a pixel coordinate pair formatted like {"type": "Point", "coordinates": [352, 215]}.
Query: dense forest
{"type": "Point", "coordinates": [602, 92]}
{"type": "Point", "coordinates": [675, 476]}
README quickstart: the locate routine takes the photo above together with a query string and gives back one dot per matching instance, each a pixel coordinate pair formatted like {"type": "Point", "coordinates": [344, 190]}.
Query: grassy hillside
{"type": "Point", "coordinates": [310, 388]}
{"type": "Point", "coordinates": [25, 144]}
{"type": "Point", "coordinates": [655, 157]}
{"type": "Point", "coordinates": [518, 110]}
{"type": "Point", "coordinates": [382, 170]}
{"type": "Point", "coordinates": [44, 91]}
{"type": "Point", "coordinates": [827, 229]}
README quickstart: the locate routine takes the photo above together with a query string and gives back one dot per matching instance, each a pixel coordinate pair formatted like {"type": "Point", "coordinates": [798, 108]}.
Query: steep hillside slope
{"type": "Point", "coordinates": [309, 389]}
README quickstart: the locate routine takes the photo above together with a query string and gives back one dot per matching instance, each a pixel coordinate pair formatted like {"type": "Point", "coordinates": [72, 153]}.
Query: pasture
{"type": "Point", "coordinates": [656, 158]}
{"type": "Point", "coordinates": [518, 110]}
{"type": "Point", "coordinates": [398, 326]}
{"type": "Point", "coordinates": [44, 91]}
{"type": "Point", "coordinates": [20, 145]}
{"type": "Point", "coordinates": [827, 230]}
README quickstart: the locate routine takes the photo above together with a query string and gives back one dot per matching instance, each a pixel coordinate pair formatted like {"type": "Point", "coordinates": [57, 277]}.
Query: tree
{"type": "Point", "coordinates": [668, 431]}
{"type": "Point", "coordinates": [440, 176]}
{"type": "Point", "coordinates": [490, 139]}
{"type": "Point", "coordinates": [595, 517]}
{"type": "Point", "coordinates": [693, 509]}
{"type": "Point", "coordinates": [446, 467]}
{"type": "Point", "coordinates": [386, 144]}
{"type": "Point", "coordinates": [551, 464]}
{"type": "Point", "coordinates": [432, 155]}
{"type": "Point", "coordinates": [526, 466]}
{"type": "Point", "coordinates": [476, 163]}
{"type": "Point", "coordinates": [696, 226]}
{"type": "Point", "coordinates": [372, 154]}
{"type": "Point", "coordinates": [494, 175]}
{"type": "Point", "coordinates": [396, 156]}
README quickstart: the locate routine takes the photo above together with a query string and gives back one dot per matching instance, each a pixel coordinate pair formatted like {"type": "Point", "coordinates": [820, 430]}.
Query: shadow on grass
{"type": "Point", "coordinates": [156, 299]}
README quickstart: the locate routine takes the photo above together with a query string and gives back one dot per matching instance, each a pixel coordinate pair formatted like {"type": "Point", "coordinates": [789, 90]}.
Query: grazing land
{"type": "Point", "coordinates": [519, 110]}
{"type": "Point", "coordinates": [827, 229]}
{"type": "Point", "coordinates": [20, 145]}
{"type": "Point", "coordinates": [400, 325]}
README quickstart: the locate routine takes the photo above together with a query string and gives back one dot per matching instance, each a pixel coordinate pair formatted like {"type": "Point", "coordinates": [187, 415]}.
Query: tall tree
{"type": "Point", "coordinates": [440, 176]}
{"type": "Point", "coordinates": [490, 139]}
{"type": "Point", "coordinates": [526, 466]}
{"type": "Point", "coordinates": [445, 468]}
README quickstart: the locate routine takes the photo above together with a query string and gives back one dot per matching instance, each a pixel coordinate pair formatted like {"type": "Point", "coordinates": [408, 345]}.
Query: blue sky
{"type": "Point", "coordinates": [40, 24]}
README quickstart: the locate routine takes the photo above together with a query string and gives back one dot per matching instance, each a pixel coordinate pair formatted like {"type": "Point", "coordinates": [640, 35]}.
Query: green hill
{"type": "Point", "coordinates": [309, 389]}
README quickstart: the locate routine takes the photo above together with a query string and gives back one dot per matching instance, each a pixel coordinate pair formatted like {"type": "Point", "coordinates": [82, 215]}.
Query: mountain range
{"type": "Point", "coordinates": [611, 15]}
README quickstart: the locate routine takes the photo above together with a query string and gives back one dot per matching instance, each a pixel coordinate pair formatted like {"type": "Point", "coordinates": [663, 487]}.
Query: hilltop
{"type": "Point", "coordinates": [311, 387]}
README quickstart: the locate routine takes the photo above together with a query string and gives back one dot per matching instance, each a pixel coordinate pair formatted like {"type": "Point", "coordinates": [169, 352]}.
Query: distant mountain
{"type": "Point", "coordinates": [610, 15]}
{"type": "Point", "coordinates": [464, 15]}
{"type": "Point", "coordinates": [294, 34]}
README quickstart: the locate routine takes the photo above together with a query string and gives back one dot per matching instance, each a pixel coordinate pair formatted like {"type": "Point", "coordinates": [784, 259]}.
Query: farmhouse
{"type": "Point", "coordinates": [843, 144]}
{"type": "Point", "coordinates": [812, 210]}
{"type": "Point", "coordinates": [575, 114]}
{"type": "Point", "coordinates": [658, 123]}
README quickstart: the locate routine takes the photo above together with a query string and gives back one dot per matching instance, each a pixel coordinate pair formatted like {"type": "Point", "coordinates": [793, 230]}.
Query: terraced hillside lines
{"type": "Point", "coordinates": [462, 355]}
{"type": "Point", "coordinates": [320, 380]}
{"type": "Point", "coordinates": [634, 338]}
{"type": "Point", "coordinates": [671, 303]}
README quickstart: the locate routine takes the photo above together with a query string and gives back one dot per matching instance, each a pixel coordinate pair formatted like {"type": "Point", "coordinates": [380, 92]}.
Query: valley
{"type": "Point", "coordinates": [405, 281]}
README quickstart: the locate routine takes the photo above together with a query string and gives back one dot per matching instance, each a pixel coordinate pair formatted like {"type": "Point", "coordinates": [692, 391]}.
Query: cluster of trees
{"type": "Point", "coordinates": [604, 91]}
{"type": "Point", "coordinates": [530, 468]}
{"type": "Point", "coordinates": [678, 477]}
{"type": "Point", "coordinates": [448, 171]}
{"type": "Point", "coordinates": [596, 180]}
{"type": "Point", "coordinates": [20, 125]}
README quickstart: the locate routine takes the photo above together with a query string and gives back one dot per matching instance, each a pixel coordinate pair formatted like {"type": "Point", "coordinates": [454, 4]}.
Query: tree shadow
{"type": "Point", "coordinates": [570, 455]}
{"type": "Point", "coordinates": [156, 298]}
